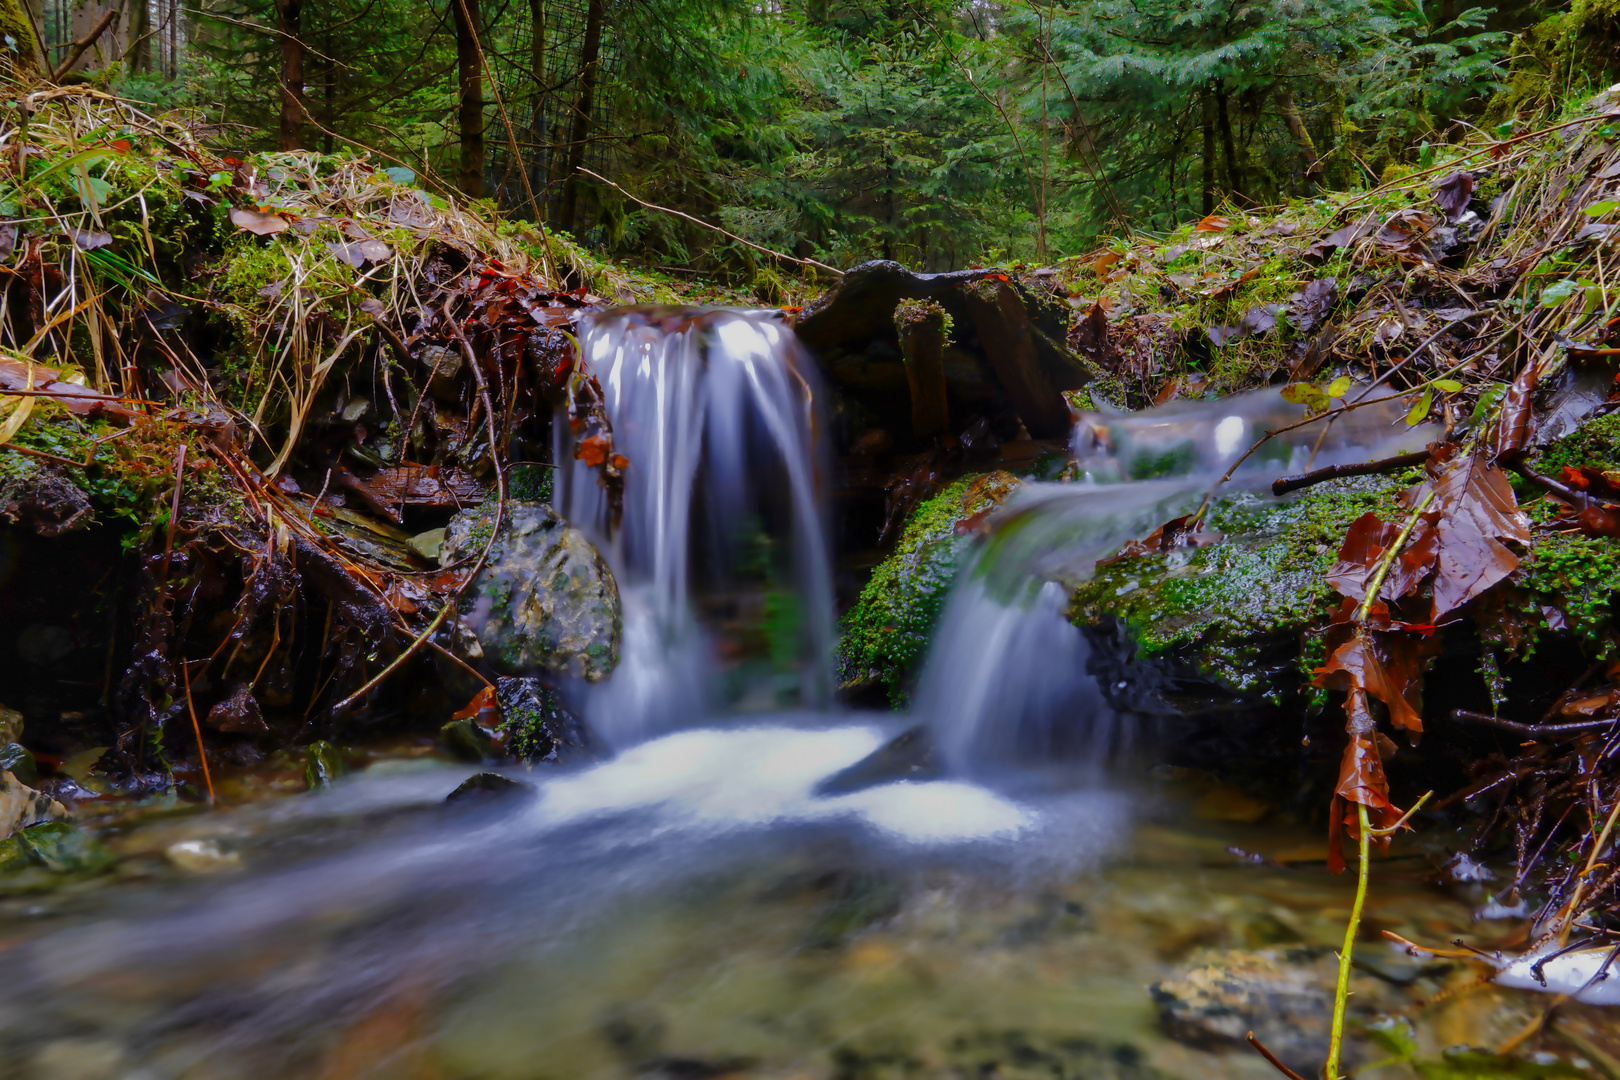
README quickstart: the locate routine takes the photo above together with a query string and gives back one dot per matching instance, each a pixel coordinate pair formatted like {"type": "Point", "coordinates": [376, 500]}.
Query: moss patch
{"type": "Point", "coordinates": [1223, 605]}
{"type": "Point", "coordinates": [885, 635]}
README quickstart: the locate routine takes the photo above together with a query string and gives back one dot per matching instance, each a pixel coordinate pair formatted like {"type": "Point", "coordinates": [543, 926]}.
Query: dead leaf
{"type": "Point", "coordinates": [1477, 513]}
{"type": "Point", "coordinates": [1308, 308]}
{"type": "Point", "coordinates": [1453, 194]}
{"type": "Point", "coordinates": [1213, 223]}
{"type": "Point", "coordinates": [1170, 536]}
{"type": "Point", "coordinates": [259, 224]}
{"type": "Point", "coordinates": [88, 239]}
{"type": "Point", "coordinates": [1516, 421]}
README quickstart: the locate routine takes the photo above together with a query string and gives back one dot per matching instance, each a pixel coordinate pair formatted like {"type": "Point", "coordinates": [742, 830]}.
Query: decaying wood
{"type": "Point", "coordinates": [923, 336]}
{"type": "Point", "coordinates": [1005, 332]}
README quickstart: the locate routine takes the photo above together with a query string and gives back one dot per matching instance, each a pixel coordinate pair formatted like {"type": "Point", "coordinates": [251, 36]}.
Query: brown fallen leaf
{"type": "Point", "coordinates": [88, 239]}
{"type": "Point", "coordinates": [259, 224]}
{"type": "Point", "coordinates": [1453, 194]}
{"type": "Point", "coordinates": [1478, 516]}
{"type": "Point", "coordinates": [238, 714]}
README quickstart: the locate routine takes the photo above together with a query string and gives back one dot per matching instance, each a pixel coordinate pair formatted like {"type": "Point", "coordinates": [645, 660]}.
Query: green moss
{"type": "Point", "coordinates": [1222, 606]}
{"type": "Point", "coordinates": [1593, 445]}
{"type": "Point", "coordinates": [885, 635]}
{"type": "Point", "coordinates": [1578, 575]}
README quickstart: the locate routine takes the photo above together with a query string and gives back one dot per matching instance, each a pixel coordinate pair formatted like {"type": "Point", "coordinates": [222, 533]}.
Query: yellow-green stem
{"type": "Point", "coordinates": [1388, 560]}
{"type": "Point", "coordinates": [1341, 992]}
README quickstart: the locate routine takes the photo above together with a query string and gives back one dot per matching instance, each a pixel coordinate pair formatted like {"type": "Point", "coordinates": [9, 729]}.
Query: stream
{"type": "Point", "coordinates": [718, 897]}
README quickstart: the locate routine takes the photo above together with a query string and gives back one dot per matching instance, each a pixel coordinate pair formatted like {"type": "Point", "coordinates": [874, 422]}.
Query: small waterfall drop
{"type": "Point", "coordinates": [1007, 677]}
{"type": "Point", "coordinates": [715, 409]}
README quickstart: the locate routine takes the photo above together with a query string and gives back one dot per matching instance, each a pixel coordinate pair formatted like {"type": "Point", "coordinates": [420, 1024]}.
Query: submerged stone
{"type": "Point", "coordinates": [1284, 996]}
{"type": "Point", "coordinates": [17, 760]}
{"type": "Point", "coordinates": [908, 756]}
{"type": "Point", "coordinates": [22, 806]}
{"type": "Point", "coordinates": [484, 786]}
{"type": "Point", "coordinates": [466, 741]}
{"type": "Point", "coordinates": [545, 601]}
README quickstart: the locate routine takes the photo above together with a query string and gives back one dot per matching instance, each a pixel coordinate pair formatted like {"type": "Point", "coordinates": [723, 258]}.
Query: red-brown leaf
{"type": "Point", "coordinates": [1514, 426]}
{"type": "Point", "coordinates": [1389, 666]}
{"type": "Point", "coordinates": [1477, 513]}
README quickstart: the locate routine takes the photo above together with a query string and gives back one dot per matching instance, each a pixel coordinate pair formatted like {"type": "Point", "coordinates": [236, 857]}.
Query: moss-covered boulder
{"type": "Point", "coordinates": [545, 602]}
{"type": "Point", "coordinates": [885, 635]}
{"type": "Point", "coordinates": [1243, 611]}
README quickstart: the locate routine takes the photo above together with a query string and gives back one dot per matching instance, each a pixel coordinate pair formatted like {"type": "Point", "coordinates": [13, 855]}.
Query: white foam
{"type": "Point", "coordinates": [720, 779]}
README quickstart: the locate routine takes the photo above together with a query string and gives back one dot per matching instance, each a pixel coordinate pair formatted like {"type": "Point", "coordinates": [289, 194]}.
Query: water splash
{"type": "Point", "coordinates": [716, 411]}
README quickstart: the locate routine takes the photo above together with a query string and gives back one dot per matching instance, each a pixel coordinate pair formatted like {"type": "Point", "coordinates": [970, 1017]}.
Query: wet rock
{"type": "Point", "coordinates": [202, 857]}
{"type": "Point", "coordinates": [42, 499]}
{"type": "Point", "coordinates": [17, 760]}
{"type": "Point", "coordinates": [1284, 996]}
{"type": "Point", "coordinates": [11, 725]}
{"type": "Point", "coordinates": [466, 740]}
{"type": "Point", "coordinates": [323, 763]}
{"type": "Point", "coordinates": [908, 756]}
{"type": "Point", "coordinates": [78, 1059]}
{"type": "Point", "coordinates": [486, 786]}
{"type": "Point", "coordinates": [238, 713]}
{"type": "Point", "coordinates": [55, 847]}
{"type": "Point", "coordinates": [545, 601]}
{"type": "Point", "coordinates": [886, 634]}
{"type": "Point", "coordinates": [535, 725]}
{"type": "Point", "coordinates": [22, 806]}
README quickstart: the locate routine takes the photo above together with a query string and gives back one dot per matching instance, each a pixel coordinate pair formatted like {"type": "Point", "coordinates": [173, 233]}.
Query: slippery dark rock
{"type": "Point", "coordinates": [466, 741]}
{"type": "Point", "coordinates": [537, 727]}
{"type": "Point", "coordinates": [43, 500]}
{"type": "Point", "coordinates": [911, 755]}
{"type": "Point", "coordinates": [19, 762]}
{"type": "Point", "coordinates": [488, 786]}
{"type": "Point", "coordinates": [545, 601]}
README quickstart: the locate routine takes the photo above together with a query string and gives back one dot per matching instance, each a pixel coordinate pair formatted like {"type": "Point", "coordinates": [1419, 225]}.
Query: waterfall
{"type": "Point", "coordinates": [1007, 676]}
{"type": "Point", "coordinates": [716, 411]}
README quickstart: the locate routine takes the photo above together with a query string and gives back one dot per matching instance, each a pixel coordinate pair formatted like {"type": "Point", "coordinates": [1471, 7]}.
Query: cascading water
{"type": "Point", "coordinates": [696, 903]}
{"type": "Point", "coordinates": [1008, 676]}
{"type": "Point", "coordinates": [716, 412]}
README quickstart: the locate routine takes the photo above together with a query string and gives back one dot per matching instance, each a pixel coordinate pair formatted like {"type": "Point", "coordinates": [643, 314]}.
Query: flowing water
{"type": "Point", "coordinates": [698, 906]}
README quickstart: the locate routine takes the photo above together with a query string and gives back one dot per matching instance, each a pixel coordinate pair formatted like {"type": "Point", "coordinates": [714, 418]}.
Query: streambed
{"type": "Point", "coordinates": [672, 914]}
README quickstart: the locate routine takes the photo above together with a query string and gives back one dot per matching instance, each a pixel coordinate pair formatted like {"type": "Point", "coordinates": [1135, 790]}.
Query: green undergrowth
{"type": "Point", "coordinates": [1220, 606]}
{"type": "Point", "coordinates": [885, 635]}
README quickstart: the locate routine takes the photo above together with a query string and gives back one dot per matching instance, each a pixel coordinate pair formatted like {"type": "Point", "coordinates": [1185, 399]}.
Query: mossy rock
{"type": "Point", "coordinates": [886, 634]}
{"type": "Point", "coordinates": [545, 602]}
{"type": "Point", "coordinates": [44, 856]}
{"type": "Point", "coordinates": [1236, 610]}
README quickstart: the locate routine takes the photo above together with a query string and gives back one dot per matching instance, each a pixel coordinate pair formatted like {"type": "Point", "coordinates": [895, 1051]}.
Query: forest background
{"type": "Point", "coordinates": [941, 133]}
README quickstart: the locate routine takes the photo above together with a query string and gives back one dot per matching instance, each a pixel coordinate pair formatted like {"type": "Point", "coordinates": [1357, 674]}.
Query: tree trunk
{"type": "Point", "coordinates": [1234, 176]}
{"type": "Point", "coordinates": [815, 12]}
{"type": "Point", "coordinates": [16, 21]}
{"type": "Point", "coordinates": [1302, 136]}
{"type": "Point", "coordinates": [589, 56]}
{"type": "Point", "coordinates": [1209, 153]}
{"type": "Point", "coordinates": [138, 54]}
{"type": "Point", "coordinates": [289, 21]}
{"type": "Point", "coordinates": [470, 115]}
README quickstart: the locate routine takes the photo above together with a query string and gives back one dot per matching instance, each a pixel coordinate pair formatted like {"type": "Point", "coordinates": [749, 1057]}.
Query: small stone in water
{"type": "Point", "coordinates": [202, 857]}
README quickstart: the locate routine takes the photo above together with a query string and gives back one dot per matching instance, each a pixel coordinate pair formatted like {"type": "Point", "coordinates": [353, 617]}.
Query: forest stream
{"type": "Point", "coordinates": [1001, 883]}
{"type": "Point", "coordinates": [706, 540]}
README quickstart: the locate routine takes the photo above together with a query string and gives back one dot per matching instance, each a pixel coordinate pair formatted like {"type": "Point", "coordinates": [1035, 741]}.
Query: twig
{"type": "Point", "coordinates": [1284, 485]}
{"type": "Point", "coordinates": [1531, 730]}
{"type": "Point", "coordinates": [706, 225]}
{"type": "Point", "coordinates": [196, 728]}
{"type": "Point", "coordinates": [1269, 1056]}
{"type": "Point", "coordinates": [1390, 830]}
{"type": "Point", "coordinates": [82, 46]}
{"type": "Point", "coordinates": [174, 512]}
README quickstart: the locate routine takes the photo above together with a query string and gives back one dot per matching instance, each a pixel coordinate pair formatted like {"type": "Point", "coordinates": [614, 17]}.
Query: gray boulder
{"type": "Point", "coordinates": [545, 601]}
